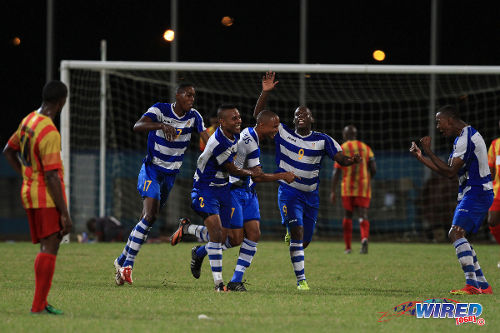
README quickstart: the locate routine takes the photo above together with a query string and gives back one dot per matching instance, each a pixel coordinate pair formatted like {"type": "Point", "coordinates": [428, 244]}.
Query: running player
{"type": "Point", "coordinates": [300, 151]}
{"type": "Point", "coordinates": [169, 128]}
{"type": "Point", "coordinates": [469, 162]}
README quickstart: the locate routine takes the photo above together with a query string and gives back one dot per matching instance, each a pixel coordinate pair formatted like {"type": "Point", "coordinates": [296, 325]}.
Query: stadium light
{"type": "Point", "coordinates": [379, 55]}
{"type": "Point", "coordinates": [16, 41]}
{"type": "Point", "coordinates": [169, 35]}
{"type": "Point", "coordinates": [227, 21]}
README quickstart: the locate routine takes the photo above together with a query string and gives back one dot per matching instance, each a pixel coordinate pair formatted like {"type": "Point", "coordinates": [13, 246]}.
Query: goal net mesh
{"type": "Point", "coordinates": [389, 111]}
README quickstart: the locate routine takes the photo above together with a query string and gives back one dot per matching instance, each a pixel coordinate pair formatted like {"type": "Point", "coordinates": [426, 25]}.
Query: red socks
{"type": "Point", "coordinates": [347, 227]}
{"type": "Point", "coordinates": [45, 265]}
{"type": "Point", "coordinates": [495, 231]}
{"type": "Point", "coordinates": [364, 228]}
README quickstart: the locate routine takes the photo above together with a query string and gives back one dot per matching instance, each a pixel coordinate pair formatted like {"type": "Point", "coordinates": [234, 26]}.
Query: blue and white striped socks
{"type": "Point", "coordinates": [247, 252]}
{"type": "Point", "coordinates": [199, 231]}
{"type": "Point", "coordinates": [135, 240]}
{"type": "Point", "coordinates": [297, 257]}
{"type": "Point", "coordinates": [481, 280]}
{"type": "Point", "coordinates": [214, 251]}
{"type": "Point", "coordinates": [466, 259]}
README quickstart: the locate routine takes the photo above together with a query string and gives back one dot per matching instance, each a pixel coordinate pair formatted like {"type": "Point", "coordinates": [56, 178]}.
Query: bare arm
{"type": "Point", "coordinates": [55, 188]}
{"type": "Point", "coordinates": [146, 124]}
{"type": "Point", "coordinates": [289, 177]}
{"type": "Point", "coordinates": [268, 84]}
{"type": "Point", "coordinates": [335, 183]}
{"type": "Point", "coordinates": [240, 172]}
{"type": "Point", "coordinates": [372, 167]}
{"type": "Point", "coordinates": [443, 168]}
{"type": "Point", "coordinates": [493, 172]}
{"type": "Point", "coordinates": [204, 136]}
{"type": "Point", "coordinates": [344, 160]}
{"type": "Point", "coordinates": [11, 156]}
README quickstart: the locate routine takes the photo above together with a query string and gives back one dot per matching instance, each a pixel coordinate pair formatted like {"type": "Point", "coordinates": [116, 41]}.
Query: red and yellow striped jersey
{"type": "Point", "coordinates": [39, 145]}
{"type": "Point", "coordinates": [356, 179]}
{"type": "Point", "coordinates": [494, 162]}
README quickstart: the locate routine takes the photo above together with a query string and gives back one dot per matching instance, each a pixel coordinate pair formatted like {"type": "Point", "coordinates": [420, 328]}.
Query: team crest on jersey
{"type": "Point", "coordinates": [188, 123]}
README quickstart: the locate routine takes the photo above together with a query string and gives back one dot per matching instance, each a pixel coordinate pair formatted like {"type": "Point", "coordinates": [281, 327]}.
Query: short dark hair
{"type": "Point", "coordinates": [449, 111]}
{"type": "Point", "coordinates": [222, 108]}
{"type": "Point", "coordinates": [182, 86]}
{"type": "Point", "coordinates": [265, 115]}
{"type": "Point", "coordinates": [54, 91]}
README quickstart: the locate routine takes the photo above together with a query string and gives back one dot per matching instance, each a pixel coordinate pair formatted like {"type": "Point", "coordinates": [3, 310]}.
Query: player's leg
{"type": "Point", "coordinates": [362, 205]}
{"type": "Point", "coordinates": [44, 226]}
{"type": "Point", "coordinates": [187, 228]}
{"type": "Point", "coordinates": [347, 223]}
{"type": "Point", "coordinates": [468, 217]}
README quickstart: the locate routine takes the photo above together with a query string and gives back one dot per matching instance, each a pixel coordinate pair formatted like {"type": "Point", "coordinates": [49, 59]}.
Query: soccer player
{"type": "Point", "coordinates": [34, 151]}
{"type": "Point", "coordinates": [244, 225]}
{"type": "Point", "coordinates": [494, 212]}
{"type": "Point", "coordinates": [469, 162]}
{"type": "Point", "coordinates": [300, 151]}
{"type": "Point", "coordinates": [169, 128]}
{"type": "Point", "coordinates": [356, 188]}
{"type": "Point", "coordinates": [211, 196]}
{"type": "Point", "coordinates": [214, 123]}
{"type": "Point", "coordinates": [106, 228]}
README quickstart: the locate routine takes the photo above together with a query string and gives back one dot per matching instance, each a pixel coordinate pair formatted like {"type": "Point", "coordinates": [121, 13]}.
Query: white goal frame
{"type": "Point", "coordinates": [102, 66]}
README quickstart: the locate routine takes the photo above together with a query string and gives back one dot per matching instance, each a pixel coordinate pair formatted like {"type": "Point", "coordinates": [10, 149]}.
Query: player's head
{"type": "Point", "coordinates": [350, 132]}
{"type": "Point", "coordinates": [303, 118]}
{"type": "Point", "coordinates": [91, 224]}
{"type": "Point", "coordinates": [445, 119]}
{"type": "Point", "coordinates": [268, 124]}
{"type": "Point", "coordinates": [55, 93]}
{"type": "Point", "coordinates": [229, 118]}
{"type": "Point", "coordinates": [184, 96]}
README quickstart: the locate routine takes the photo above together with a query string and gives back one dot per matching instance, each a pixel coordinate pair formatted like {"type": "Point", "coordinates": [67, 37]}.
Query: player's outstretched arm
{"type": "Point", "coordinates": [55, 188]}
{"type": "Point", "coordinates": [344, 160]}
{"type": "Point", "coordinates": [146, 124]}
{"type": "Point", "coordinates": [240, 172]}
{"type": "Point", "coordinates": [11, 156]}
{"type": "Point", "coordinates": [268, 84]}
{"type": "Point", "coordinates": [442, 168]}
{"type": "Point", "coordinates": [288, 176]}
{"type": "Point", "coordinates": [334, 185]}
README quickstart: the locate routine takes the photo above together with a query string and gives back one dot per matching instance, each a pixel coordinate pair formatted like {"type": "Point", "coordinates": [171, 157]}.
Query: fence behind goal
{"type": "Point", "coordinates": [389, 105]}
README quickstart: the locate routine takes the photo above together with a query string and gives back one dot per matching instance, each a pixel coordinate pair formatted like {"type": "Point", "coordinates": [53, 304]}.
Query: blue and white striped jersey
{"type": "Point", "coordinates": [303, 155]}
{"type": "Point", "coordinates": [470, 147]}
{"type": "Point", "coordinates": [168, 155]}
{"type": "Point", "coordinates": [209, 169]}
{"type": "Point", "coordinates": [247, 156]}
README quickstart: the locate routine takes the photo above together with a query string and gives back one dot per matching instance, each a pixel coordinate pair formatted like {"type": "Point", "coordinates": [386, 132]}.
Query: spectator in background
{"type": "Point", "coordinates": [214, 123]}
{"type": "Point", "coordinates": [106, 229]}
{"type": "Point", "coordinates": [494, 212]}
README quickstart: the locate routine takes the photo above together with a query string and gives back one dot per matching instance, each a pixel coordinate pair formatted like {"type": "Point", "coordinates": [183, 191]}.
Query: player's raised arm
{"type": "Point", "coordinates": [268, 84]}
{"type": "Point", "coordinates": [146, 124]}
{"type": "Point", "coordinates": [288, 176]}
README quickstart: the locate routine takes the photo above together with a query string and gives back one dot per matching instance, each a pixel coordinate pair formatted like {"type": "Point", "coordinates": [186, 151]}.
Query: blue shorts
{"type": "Point", "coordinates": [212, 201]}
{"type": "Point", "coordinates": [472, 209]}
{"type": "Point", "coordinates": [245, 207]}
{"type": "Point", "coordinates": [298, 208]}
{"type": "Point", "coordinates": [154, 184]}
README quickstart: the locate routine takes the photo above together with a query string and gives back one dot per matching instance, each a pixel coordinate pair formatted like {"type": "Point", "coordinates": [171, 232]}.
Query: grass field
{"type": "Point", "coordinates": [348, 292]}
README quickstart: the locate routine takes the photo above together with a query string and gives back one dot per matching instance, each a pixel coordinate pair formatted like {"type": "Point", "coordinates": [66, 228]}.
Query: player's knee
{"type": "Point", "coordinates": [297, 233]}
{"type": "Point", "coordinates": [149, 217]}
{"type": "Point", "coordinates": [236, 240]}
{"type": "Point", "coordinates": [253, 235]}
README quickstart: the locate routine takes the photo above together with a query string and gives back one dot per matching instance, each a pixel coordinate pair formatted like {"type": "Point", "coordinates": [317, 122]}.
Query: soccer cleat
{"type": "Point", "coordinates": [196, 262]}
{"type": "Point", "coordinates": [302, 285]}
{"type": "Point", "coordinates": [49, 309]}
{"type": "Point", "coordinates": [177, 235]}
{"type": "Point", "coordinates": [221, 288]}
{"type": "Point", "coordinates": [348, 251]}
{"type": "Point", "coordinates": [236, 286]}
{"type": "Point", "coordinates": [467, 290]}
{"type": "Point", "coordinates": [287, 238]}
{"type": "Point", "coordinates": [126, 274]}
{"type": "Point", "coordinates": [487, 290]}
{"type": "Point", "coordinates": [364, 246]}
{"type": "Point", "coordinates": [118, 277]}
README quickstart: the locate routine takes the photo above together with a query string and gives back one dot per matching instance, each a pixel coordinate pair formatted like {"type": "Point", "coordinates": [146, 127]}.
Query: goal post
{"type": "Point", "coordinates": [390, 105]}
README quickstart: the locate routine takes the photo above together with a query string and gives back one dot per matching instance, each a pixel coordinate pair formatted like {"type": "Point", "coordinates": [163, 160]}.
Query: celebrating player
{"type": "Point", "coordinates": [469, 162]}
{"type": "Point", "coordinates": [211, 196]}
{"type": "Point", "coordinates": [244, 225]}
{"type": "Point", "coordinates": [494, 212]}
{"type": "Point", "coordinates": [356, 188]}
{"type": "Point", "coordinates": [34, 151]}
{"type": "Point", "coordinates": [169, 127]}
{"type": "Point", "coordinates": [300, 151]}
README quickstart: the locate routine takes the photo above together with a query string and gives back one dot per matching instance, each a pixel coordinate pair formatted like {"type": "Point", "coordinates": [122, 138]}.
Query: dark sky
{"type": "Point", "coordinates": [339, 32]}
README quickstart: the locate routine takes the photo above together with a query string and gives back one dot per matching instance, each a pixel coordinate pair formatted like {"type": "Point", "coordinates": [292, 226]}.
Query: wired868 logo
{"type": "Point", "coordinates": [461, 312]}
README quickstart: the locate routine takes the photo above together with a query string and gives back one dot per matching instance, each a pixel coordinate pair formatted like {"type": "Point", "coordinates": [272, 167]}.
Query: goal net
{"type": "Point", "coordinates": [389, 105]}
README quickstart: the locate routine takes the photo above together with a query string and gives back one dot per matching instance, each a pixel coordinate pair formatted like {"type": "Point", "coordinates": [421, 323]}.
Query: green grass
{"type": "Point", "coordinates": [347, 294]}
